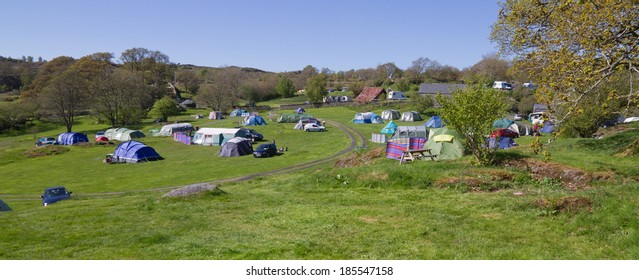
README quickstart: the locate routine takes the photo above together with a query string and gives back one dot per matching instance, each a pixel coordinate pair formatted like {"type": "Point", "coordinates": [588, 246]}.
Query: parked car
{"type": "Point", "coordinates": [314, 127]}
{"type": "Point", "coordinates": [45, 141]}
{"type": "Point", "coordinates": [255, 135]}
{"type": "Point", "coordinates": [55, 194]}
{"type": "Point", "coordinates": [518, 117]}
{"type": "Point", "coordinates": [265, 150]}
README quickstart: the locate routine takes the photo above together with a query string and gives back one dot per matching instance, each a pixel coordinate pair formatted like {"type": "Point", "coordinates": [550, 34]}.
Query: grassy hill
{"type": "Point", "coordinates": [362, 207]}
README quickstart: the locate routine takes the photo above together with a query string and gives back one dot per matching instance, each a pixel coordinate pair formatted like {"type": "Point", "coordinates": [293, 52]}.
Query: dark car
{"type": "Point", "coordinates": [255, 135]}
{"type": "Point", "coordinates": [55, 194]}
{"type": "Point", "coordinates": [265, 150]}
{"type": "Point", "coordinates": [45, 141]}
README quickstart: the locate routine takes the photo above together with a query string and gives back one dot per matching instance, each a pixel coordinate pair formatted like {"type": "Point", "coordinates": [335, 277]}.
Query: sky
{"type": "Point", "coordinates": [272, 35]}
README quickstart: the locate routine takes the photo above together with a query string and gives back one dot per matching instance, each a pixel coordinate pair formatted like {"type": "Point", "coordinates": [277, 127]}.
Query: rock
{"type": "Point", "coordinates": [190, 190]}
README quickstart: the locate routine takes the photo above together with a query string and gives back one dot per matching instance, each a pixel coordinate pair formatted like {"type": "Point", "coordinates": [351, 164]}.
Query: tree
{"type": "Point", "coordinates": [164, 108]}
{"type": "Point", "coordinates": [491, 68]}
{"type": "Point", "coordinates": [316, 88]}
{"type": "Point", "coordinates": [223, 91]}
{"type": "Point", "coordinates": [65, 95]}
{"type": "Point", "coordinates": [471, 112]}
{"type": "Point", "coordinates": [422, 103]}
{"type": "Point", "coordinates": [571, 48]}
{"type": "Point", "coordinates": [189, 79]}
{"type": "Point", "coordinates": [154, 65]}
{"type": "Point", "coordinates": [117, 95]}
{"type": "Point", "coordinates": [285, 87]}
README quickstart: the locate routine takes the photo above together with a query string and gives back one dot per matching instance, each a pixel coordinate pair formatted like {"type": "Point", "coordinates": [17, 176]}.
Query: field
{"type": "Point", "coordinates": [362, 206]}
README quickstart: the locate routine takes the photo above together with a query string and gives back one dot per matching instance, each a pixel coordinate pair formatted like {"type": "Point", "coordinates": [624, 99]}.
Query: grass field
{"type": "Point", "coordinates": [372, 209]}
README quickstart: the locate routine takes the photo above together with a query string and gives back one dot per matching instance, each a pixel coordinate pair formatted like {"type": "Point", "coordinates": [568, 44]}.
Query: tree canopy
{"type": "Point", "coordinates": [571, 49]}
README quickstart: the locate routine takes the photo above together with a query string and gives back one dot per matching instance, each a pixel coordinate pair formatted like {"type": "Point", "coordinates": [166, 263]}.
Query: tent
{"type": "Point", "coordinates": [254, 120]}
{"type": "Point", "coordinates": [123, 134]}
{"type": "Point", "coordinates": [134, 151]}
{"type": "Point", "coordinates": [506, 123]}
{"type": "Point", "coordinates": [102, 139]}
{"type": "Point", "coordinates": [215, 115]}
{"type": "Point", "coordinates": [435, 122]}
{"type": "Point", "coordinates": [445, 143]}
{"type": "Point", "coordinates": [292, 118]}
{"type": "Point", "coordinates": [300, 110]}
{"type": "Point", "coordinates": [411, 116]}
{"type": "Point", "coordinates": [410, 132]}
{"type": "Point", "coordinates": [300, 124]}
{"type": "Point", "coordinates": [71, 138]}
{"type": "Point", "coordinates": [168, 129]}
{"type": "Point", "coordinates": [4, 206]}
{"type": "Point", "coordinates": [390, 114]}
{"type": "Point", "coordinates": [389, 128]}
{"type": "Point", "coordinates": [239, 113]}
{"type": "Point", "coordinates": [217, 136]}
{"type": "Point", "coordinates": [368, 117]}
{"type": "Point", "coordinates": [236, 147]}
{"type": "Point", "coordinates": [503, 142]}
{"type": "Point", "coordinates": [547, 128]}
{"type": "Point", "coordinates": [525, 130]}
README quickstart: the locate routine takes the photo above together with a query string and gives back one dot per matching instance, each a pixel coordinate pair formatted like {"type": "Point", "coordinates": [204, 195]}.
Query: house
{"type": "Point", "coordinates": [431, 90]}
{"type": "Point", "coordinates": [370, 94]}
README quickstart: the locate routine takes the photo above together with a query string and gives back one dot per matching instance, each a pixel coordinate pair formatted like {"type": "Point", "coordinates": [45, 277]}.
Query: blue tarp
{"type": "Point", "coordinates": [70, 138]}
{"type": "Point", "coordinates": [434, 121]}
{"type": "Point", "coordinates": [134, 151]}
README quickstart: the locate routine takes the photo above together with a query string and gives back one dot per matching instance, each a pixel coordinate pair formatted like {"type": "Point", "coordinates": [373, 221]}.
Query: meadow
{"type": "Point", "coordinates": [371, 208]}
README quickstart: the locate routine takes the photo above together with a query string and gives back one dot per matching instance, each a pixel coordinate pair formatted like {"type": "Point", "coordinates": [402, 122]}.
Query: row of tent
{"type": "Point", "coordinates": [370, 117]}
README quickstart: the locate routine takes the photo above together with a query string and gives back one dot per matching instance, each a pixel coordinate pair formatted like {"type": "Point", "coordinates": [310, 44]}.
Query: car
{"type": "Point", "coordinates": [256, 136]}
{"type": "Point", "coordinates": [518, 117]}
{"type": "Point", "coordinates": [265, 150]}
{"type": "Point", "coordinates": [55, 194]}
{"type": "Point", "coordinates": [46, 141]}
{"type": "Point", "coordinates": [314, 127]}
{"type": "Point", "coordinates": [99, 134]}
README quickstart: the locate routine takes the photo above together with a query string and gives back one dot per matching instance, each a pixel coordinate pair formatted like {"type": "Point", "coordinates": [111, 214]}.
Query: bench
{"type": "Point", "coordinates": [411, 155]}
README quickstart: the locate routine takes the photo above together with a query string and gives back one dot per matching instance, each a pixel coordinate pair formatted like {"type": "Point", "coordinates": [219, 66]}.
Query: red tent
{"type": "Point", "coordinates": [102, 139]}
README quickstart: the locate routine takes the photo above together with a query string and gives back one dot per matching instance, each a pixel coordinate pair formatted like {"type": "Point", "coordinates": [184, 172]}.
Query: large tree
{"type": "Point", "coordinates": [223, 90]}
{"type": "Point", "coordinates": [117, 96]}
{"type": "Point", "coordinates": [164, 108]}
{"type": "Point", "coordinates": [570, 49]}
{"type": "Point", "coordinates": [285, 87]}
{"type": "Point", "coordinates": [316, 88]}
{"type": "Point", "coordinates": [66, 95]}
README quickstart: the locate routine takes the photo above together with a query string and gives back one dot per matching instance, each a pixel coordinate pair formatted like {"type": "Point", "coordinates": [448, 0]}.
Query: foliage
{"type": "Point", "coordinates": [471, 112]}
{"type": "Point", "coordinates": [285, 87]}
{"type": "Point", "coordinates": [316, 88]}
{"type": "Point", "coordinates": [66, 95]}
{"type": "Point", "coordinates": [163, 108]}
{"type": "Point", "coordinates": [570, 48]}
{"type": "Point", "coordinates": [422, 103]}
{"type": "Point", "coordinates": [118, 95]}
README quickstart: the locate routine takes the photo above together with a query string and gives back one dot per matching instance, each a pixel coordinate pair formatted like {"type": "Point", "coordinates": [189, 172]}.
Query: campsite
{"type": "Point", "coordinates": [424, 210]}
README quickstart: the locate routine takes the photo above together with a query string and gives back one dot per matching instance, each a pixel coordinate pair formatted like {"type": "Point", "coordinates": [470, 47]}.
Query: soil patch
{"type": "Point", "coordinates": [570, 177]}
{"type": "Point", "coordinates": [46, 151]}
{"type": "Point", "coordinates": [566, 204]}
{"type": "Point", "coordinates": [479, 180]}
{"type": "Point", "coordinates": [360, 159]}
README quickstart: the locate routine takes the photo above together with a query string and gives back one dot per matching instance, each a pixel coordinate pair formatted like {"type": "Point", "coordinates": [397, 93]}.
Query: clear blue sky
{"type": "Point", "coordinates": [272, 35]}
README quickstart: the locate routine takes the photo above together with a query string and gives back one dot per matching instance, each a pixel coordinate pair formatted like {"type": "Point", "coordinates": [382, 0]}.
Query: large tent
{"type": "Point", "coordinates": [123, 134]}
{"type": "Point", "coordinates": [217, 136]}
{"type": "Point", "coordinates": [293, 118]}
{"type": "Point", "coordinates": [390, 114]}
{"type": "Point", "coordinates": [71, 138]}
{"type": "Point", "coordinates": [169, 129]}
{"type": "Point", "coordinates": [445, 143]}
{"type": "Point", "coordinates": [4, 206]}
{"type": "Point", "coordinates": [507, 124]}
{"type": "Point", "coordinates": [411, 116]}
{"type": "Point", "coordinates": [236, 147]}
{"type": "Point", "coordinates": [434, 122]}
{"type": "Point", "coordinates": [300, 124]}
{"type": "Point", "coordinates": [410, 132]}
{"type": "Point", "coordinates": [254, 120]}
{"type": "Point", "coordinates": [239, 113]}
{"type": "Point", "coordinates": [368, 117]}
{"type": "Point", "coordinates": [134, 151]}
{"type": "Point", "coordinates": [389, 128]}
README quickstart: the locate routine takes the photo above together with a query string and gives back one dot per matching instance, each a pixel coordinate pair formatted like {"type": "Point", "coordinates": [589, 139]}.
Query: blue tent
{"type": "Point", "coordinates": [547, 128]}
{"type": "Point", "coordinates": [368, 117]}
{"type": "Point", "coordinates": [254, 120]}
{"type": "Point", "coordinates": [70, 138]}
{"type": "Point", "coordinates": [434, 121]}
{"type": "Point", "coordinates": [238, 112]}
{"type": "Point", "coordinates": [300, 110]}
{"type": "Point", "coordinates": [134, 151]}
{"type": "Point", "coordinates": [389, 128]}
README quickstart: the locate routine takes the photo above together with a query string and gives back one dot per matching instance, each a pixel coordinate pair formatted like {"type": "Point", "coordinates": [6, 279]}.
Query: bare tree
{"type": "Point", "coordinates": [66, 94]}
{"type": "Point", "coordinates": [223, 92]}
{"type": "Point", "coordinates": [117, 96]}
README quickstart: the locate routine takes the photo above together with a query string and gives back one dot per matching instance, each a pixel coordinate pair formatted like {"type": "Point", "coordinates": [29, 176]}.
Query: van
{"type": "Point", "coordinates": [502, 85]}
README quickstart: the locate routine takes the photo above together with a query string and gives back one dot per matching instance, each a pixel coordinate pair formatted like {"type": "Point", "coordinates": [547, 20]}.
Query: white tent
{"type": "Point", "coordinates": [411, 116]}
{"type": "Point", "coordinates": [168, 129]}
{"type": "Point", "coordinates": [217, 136]}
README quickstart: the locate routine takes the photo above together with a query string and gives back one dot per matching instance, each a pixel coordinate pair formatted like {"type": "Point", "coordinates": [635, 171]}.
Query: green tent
{"type": "Point", "coordinates": [293, 118]}
{"type": "Point", "coordinates": [445, 143]}
{"type": "Point", "coordinates": [503, 123]}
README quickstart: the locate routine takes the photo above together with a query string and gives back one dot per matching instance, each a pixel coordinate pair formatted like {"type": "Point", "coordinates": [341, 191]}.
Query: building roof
{"type": "Point", "coordinates": [439, 88]}
{"type": "Point", "coordinates": [369, 94]}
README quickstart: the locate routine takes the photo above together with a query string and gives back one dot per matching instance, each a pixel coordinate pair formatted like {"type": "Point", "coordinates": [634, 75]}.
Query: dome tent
{"type": "Point", "coordinates": [254, 120]}
{"type": "Point", "coordinates": [368, 117]}
{"type": "Point", "coordinates": [123, 134]}
{"type": "Point", "coordinates": [71, 138]}
{"type": "Point", "coordinates": [411, 116]}
{"type": "Point", "coordinates": [236, 147]}
{"type": "Point", "coordinates": [445, 143]}
{"type": "Point", "coordinates": [134, 151]}
{"type": "Point", "coordinates": [4, 206]}
{"type": "Point", "coordinates": [389, 128]}
{"type": "Point", "coordinates": [390, 114]}
{"type": "Point", "coordinates": [239, 113]}
{"type": "Point", "coordinates": [435, 122]}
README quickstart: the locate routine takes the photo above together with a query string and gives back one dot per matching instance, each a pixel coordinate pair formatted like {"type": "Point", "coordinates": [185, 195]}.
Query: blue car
{"type": "Point", "coordinates": [55, 194]}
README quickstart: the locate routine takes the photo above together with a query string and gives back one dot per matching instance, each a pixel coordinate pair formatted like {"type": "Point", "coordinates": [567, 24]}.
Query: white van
{"type": "Point", "coordinates": [396, 95]}
{"type": "Point", "coordinates": [502, 85]}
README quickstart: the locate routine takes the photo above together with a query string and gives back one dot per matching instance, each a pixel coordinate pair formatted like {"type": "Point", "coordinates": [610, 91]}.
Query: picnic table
{"type": "Point", "coordinates": [411, 155]}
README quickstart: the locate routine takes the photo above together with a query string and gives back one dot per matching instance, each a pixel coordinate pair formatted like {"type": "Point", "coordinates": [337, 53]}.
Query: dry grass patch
{"type": "Point", "coordinates": [565, 204]}
{"type": "Point", "coordinates": [361, 159]}
{"type": "Point", "coordinates": [571, 178]}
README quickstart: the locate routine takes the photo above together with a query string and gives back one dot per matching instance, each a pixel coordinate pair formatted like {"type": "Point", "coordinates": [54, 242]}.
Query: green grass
{"type": "Point", "coordinates": [380, 210]}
